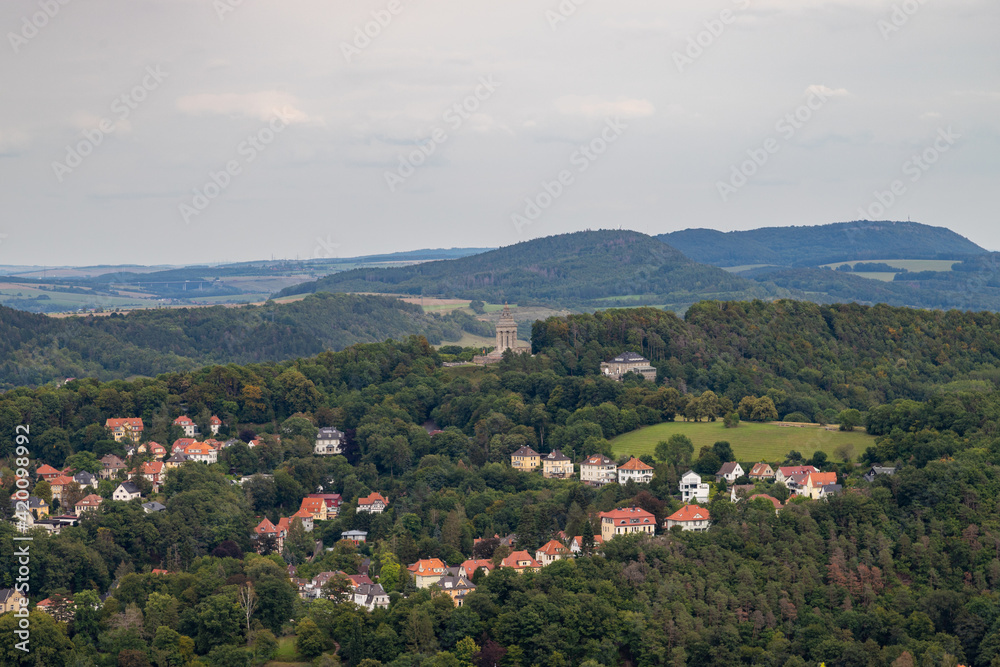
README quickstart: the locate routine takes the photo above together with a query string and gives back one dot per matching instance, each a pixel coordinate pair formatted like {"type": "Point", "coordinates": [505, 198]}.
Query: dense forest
{"type": "Point", "coordinates": [35, 349]}
{"type": "Point", "coordinates": [584, 269]}
{"type": "Point", "coordinates": [894, 573]}
{"type": "Point", "coordinates": [821, 244]}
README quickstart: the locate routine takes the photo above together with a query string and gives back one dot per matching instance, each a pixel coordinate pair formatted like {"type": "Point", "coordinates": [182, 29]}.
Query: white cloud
{"type": "Point", "coordinates": [596, 107]}
{"type": "Point", "coordinates": [826, 91]}
{"type": "Point", "coordinates": [262, 105]}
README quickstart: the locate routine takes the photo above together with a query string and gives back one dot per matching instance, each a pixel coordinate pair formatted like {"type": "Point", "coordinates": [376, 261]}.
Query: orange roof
{"type": "Point", "coordinates": [624, 516]}
{"type": "Point", "coordinates": [133, 422]}
{"type": "Point", "coordinates": [822, 478]}
{"type": "Point", "coordinates": [303, 513]}
{"type": "Point", "coordinates": [517, 557]}
{"type": "Point", "coordinates": [61, 480]}
{"type": "Point", "coordinates": [46, 469]}
{"type": "Point", "coordinates": [158, 571]}
{"type": "Point", "coordinates": [635, 464]}
{"type": "Point", "coordinates": [690, 513]}
{"type": "Point", "coordinates": [284, 523]}
{"type": "Point", "coordinates": [312, 505]}
{"type": "Point", "coordinates": [215, 420]}
{"type": "Point", "coordinates": [183, 420]}
{"type": "Point", "coordinates": [471, 566]}
{"type": "Point", "coordinates": [265, 526]}
{"type": "Point", "coordinates": [370, 500]}
{"type": "Point", "coordinates": [553, 548]}
{"type": "Point", "coordinates": [92, 499]}
{"type": "Point", "coordinates": [152, 467]}
{"type": "Point", "coordinates": [428, 566]}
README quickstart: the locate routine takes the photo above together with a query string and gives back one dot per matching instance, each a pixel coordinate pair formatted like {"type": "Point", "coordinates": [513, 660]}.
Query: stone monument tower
{"type": "Point", "coordinates": [506, 331]}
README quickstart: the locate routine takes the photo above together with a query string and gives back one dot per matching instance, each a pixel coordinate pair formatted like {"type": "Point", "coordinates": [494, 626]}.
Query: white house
{"type": "Point", "coordinates": [692, 488]}
{"type": "Point", "coordinates": [329, 441]}
{"type": "Point", "coordinates": [636, 471]}
{"type": "Point", "coordinates": [187, 425]}
{"type": "Point", "coordinates": [126, 491]}
{"type": "Point", "coordinates": [730, 472]}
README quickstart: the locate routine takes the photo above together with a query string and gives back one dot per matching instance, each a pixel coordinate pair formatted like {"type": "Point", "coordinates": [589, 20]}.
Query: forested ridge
{"type": "Point", "coordinates": [901, 571]}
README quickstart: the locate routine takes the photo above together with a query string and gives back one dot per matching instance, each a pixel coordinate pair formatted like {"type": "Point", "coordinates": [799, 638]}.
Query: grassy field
{"type": "Point", "coordinates": [750, 441]}
{"type": "Point", "coordinates": [908, 264]}
{"type": "Point", "coordinates": [286, 656]}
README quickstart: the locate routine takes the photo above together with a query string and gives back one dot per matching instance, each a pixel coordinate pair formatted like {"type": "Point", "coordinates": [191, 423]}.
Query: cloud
{"type": "Point", "coordinates": [262, 105]}
{"type": "Point", "coordinates": [597, 107]}
{"type": "Point", "coordinates": [826, 91]}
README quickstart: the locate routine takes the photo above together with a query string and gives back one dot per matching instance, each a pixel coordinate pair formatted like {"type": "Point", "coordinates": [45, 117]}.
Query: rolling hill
{"type": "Point", "coordinates": [821, 244]}
{"type": "Point", "coordinates": [584, 269]}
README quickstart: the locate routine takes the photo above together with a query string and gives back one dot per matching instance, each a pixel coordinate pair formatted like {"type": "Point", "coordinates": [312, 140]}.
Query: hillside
{"type": "Point", "coordinates": [35, 349]}
{"type": "Point", "coordinates": [821, 244]}
{"type": "Point", "coordinates": [594, 268]}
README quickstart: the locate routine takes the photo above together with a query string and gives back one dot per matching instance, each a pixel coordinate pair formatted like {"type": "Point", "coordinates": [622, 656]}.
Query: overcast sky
{"type": "Point", "coordinates": [116, 114]}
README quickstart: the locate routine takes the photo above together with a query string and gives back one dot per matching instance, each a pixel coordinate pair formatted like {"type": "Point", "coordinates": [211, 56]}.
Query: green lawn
{"type": "Point", "coordinates": [750, 441]}
{"type": "Point", "coordinates": [286, 653]}
{"type": "Point", "coordinates": [908, 264]}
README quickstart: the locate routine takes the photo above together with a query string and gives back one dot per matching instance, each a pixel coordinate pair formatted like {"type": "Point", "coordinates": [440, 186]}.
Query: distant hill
{"type": "Point", "coordinates": [35, 349]}
{"type": "Point", "coordinates": [821, 244]}
{"type": "Point", "coordinates": [583, 269]}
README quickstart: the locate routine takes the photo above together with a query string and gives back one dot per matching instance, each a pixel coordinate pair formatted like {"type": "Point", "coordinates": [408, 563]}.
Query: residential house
{"type": "Point", "coordinates": [628, 362]}
{"type": "Point", "coordinates": [730, 471]}
{"type": "Point", "coordinates": [471, 566]}
{"type": "Point", "coordinates": [576, 544]}
{"type": "Point", "coordinates": [332, 500]}
{"type": "Point", "coordinates": [181, 445]}
{"type": "Point", "coordinates": [738, 492]}
{"type": "Point", "coordinates": [456, 586]}
{"type": "Point", "coordinates": [796, 482]}
{"type": "Point", "coordinates": [59, 485]}
{"type": "Point", "coordinates": [129, 428]}
{"type": "Point", "coordinates": [689, 517]}
{"type": "Point", "coordinates": [428, 571]}
{"type": "Point", "coordinates": [329, 441]}
{"type": "Point", "coordinates": [692, 488]}
{"type": "Point", "coordinates": [155, 449]}
{"type": "Point", "coordinates": [625, 521]}
{"type": "Point", "coordinates": [371, 596]}
{"type": "Point", "coordinates": [187, 425]}
{"type": "Point", "coordinates": [47, 472]}
{"type": "Point", "coordinates": [815, 482]}
{"type": "Point", "coordinates": [126, 491]}
{"type": "Point", "coordinates": [598, 470]}
{"type": "Point", "coordinates": [38, 507]}
{"type": "Point", "coordinates": [556, 465]}
{"type": "Point", "coordinates": [11, 599]}
{"type": "Point", "coordinates": [315, 507]}
{"type": "Point", "coordinates": [306, 517]}
{"type": "Point", "coordinates": [91, 502]}
{"type": "Point", "coordinates": [830, 490]}
{"type": "Point", "coordinates": [55, 524]}
{"type": "Point", "coordinates": [176, 460]}
{"type": "Point", "coordinates": [153, 506]}
{"type": "Point", "coordinates": [784, 473]}
{"type": "Point", "coordinates": [525, 459]}
{"type": "Point", "coordinates": [876, 471]}
{"type": "Point", "coordinates": [761, 472]}
{"type": "Point", "coordinates": [85, 479]}
{"type": "Point", "coordinates": [521, 561]}
{"type": "Point", "coordinates": [111, 466]}
{"type": "Point", "coordinates": [355, 536]}
{"type": "Point", "coordinates": [373, 503]}
{"type": "Point", "coordinates": [153, 471]}
{"type": "Point", "coordinates": [266, 531]}
{"type": "Point", "coordinates": [552, 551]}
{"type": "Point", "coordinates": [636, 471]}
{"type": "Point", "coordinates": [214, 424]}
{"type": "Point", "coordinates": [202, 453]}
{"type": "Point", "coordinates": [771, 499]}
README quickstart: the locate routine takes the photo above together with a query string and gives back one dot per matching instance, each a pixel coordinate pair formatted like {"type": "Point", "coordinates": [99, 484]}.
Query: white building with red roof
{"type": "Point", "coordinates": [636, 471]}
{"type": "Point", "coordinates": [128, 428]}
{"type": "Point", "coordinates": [521, 561]}
{"type": "Point", "coordinates": [214, 424]}
{"type": "Point", "coordinates": [552, 551]}
{"type": "Point", "coordinates": [373, 503]}
{"type": "Point", "coordinates": [428, 571]}
{"type": "Point", "coordinates": [598, 470]}
{"type": "Point", "coordinates": [689, 517]}
{"type": "Point", "coordinates": [187, 425]}
{"type": "Point", "coordinates": [626, 521]}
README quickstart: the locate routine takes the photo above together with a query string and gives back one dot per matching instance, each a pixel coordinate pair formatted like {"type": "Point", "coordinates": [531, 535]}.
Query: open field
{"type": "Point", "coordinates": [750, 441]}
{"type": "Point", "coordinates": [908, 264]}
{"type": "Point", "coordinates": [471, 340]}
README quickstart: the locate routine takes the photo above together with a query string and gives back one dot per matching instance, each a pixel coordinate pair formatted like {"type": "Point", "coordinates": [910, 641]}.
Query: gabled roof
{"type": "Point", "coordinates": [61, 480]}
{"type": "Point", "coordinates": [623, 516]}
{"type": "Point", "coordinates": [46, 469]}
{"type": "Point", "coordinates": [428, 567]}
{"type": "Point", "coordinates": [112, 461]}
{"type": "Point", "coordinates": [471, 566]}
{"type": "Point", "coordinates": [154, 506]}
{"type": "Point", "coordinates": [760, 469]}
{"type": "Point", "coordinates": [690, 513]}
{"type": "Point", "coordinates": [819, 479]}
{"type": "Point", "coordinates": [597, 460]}
{"type": "Point", "coordinates": [689, 473]}
{"type": "Point", "coordinates": [303, 514]}
{"type": "Point", "coordinates": [129, 487]}
{"type": "Point", "coordinates": [329, 433]}
{"type": "Point", "coordinates": [183, 420]}
{"type": "Point", "coordinates": [179, 457]}
{"type": "Point", "coordinates": [93, 500]}
{"type": "Point", "coordinates": [371, 499]}
{"type": "Point", "coordinates": [84, 477]}
{"type": "Point", "coordinates": [788, 471]}
{"type": "Point", "coordinates": [312, 505]}
{"type": "Point", "coordinates": [284, 523]}
{"type": "Point", "coordinates": [520, 557]}
{"type": "Point", "coordinates": [635, 464]}
{"type": "Point", "coordinates": [132, 422]}
{"type": "Point", "coordinates": [555, 455]}
{"type": "Point", "coordinates": [456, 583]}
{"type": "Point", "coordinates": [215, 421]}
{"type": "Point", "coordinates": [630, 358]}
{"type": "Point", "coordinates": [152, 467]}
{"type": "Point", "coordinates": [553, 548]}
{"type": "Point", "coordinates": [265, 527]}
{"type": "Point", "coordinates": [728, 468]}
{"type": "Point", "coordinates": [525, 451]}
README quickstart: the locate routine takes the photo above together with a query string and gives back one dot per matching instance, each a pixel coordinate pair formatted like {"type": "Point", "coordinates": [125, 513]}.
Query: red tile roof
{"type": "Point", "coordinates": [624, 516]}
{"type": "Point", "coordinates": [788, 471]}
{"type": "Point", "coordinates": [690, 513]}
{"type": "Point", "coordinates": [370, 500]}
{"type": "Point", "coordinates": [517, 557]}
{"type": "Point", "coordinates": [471, 566]}
{"type": "Point", "coordinates": [215, 421]}
{"type": "Point", "coordinates": [554, 548]}
{"type": "Point", "coordinates": [61, 480]}
{"type": "Point", "coordinates": [428, 567]}
{"type": "Point", "coordinates": [265, 526]}
{"type": "Point", "coordinates": [635, 464]}
{"type": "Point", "coordinates": [818, 479]}
{"type": "Point", "coordinates": [184, 420]}
{"type": "Point", "coordinates": [46, 469]}
{"type": "Point", "coordinates": [132, 422]}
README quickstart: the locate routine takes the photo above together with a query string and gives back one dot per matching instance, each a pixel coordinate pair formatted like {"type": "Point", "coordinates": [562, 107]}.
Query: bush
{"type": "Point", "coordinates": [796, 417]}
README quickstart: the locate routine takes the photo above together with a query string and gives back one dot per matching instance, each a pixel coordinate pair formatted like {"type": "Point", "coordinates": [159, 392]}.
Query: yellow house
{"type": "Point", "coordinates": [129, 427]}
{"type": "Point", "coordinates": [11, 599]}
{"type": "Point", "coordinates": [526, 459]}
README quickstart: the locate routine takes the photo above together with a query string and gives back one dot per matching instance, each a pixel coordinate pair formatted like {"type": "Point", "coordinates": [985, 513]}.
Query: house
{"type": "Point", "coordinates": [153, 506]}
{"type": "Point", "coordinates": [737, 492]}
{"type": "Point", "coordinates": [85, 479]}
{"type": "Point", "coordinates": [181, 445]}
{"type": "Point", "coordinates": [129, 428]}
{"type": "Point", "coordinates": [625, 521]}
{"type": "Point", "coordinates": [356, 536]}
{"type": "Point", "coordinates": [265, 531]}
{"type": "Point", "coordinates": [214, 424]}
{"type": "Point", "coordinates": [428, 571]}
{"type": "Point", "coordinates": [11, 599]}
{"type": "Point", "coordinates": [636, 471]}
{"type": "Point", "coordinates": [155, 449]}
{"type": "Point", "coordinates": [373, 503]}
{"type": "Point", "coordinates": [525, 459]}
{"type": "Point", "coordinates": [55, 524]}
{"type": "Point", "coordinates": [876, 471]}
{"type": "Point", "coordinates": [59, 485]}
{"type": "Point", "coordinates": [576, 544]}
{"type": "Point", "coordinates": [815, 482]}
{"type": "Point", "coordinates": [692, 488]}
{"type": "Point", "coordinates": [329, 441]}
{"type": "Point", "coordinates": [552, 551]}
{"type": "Point", "coordinates": [126, 491]}
{"type": "Point", "coordinates": [111, 466]}
{"type": "Point", "coordinates": [521, 561]}
{"type": "Point", "coordinates": [202, 453]}
{"type": "Point", "coordinates": [556, 465]}
{"type": "Point", "coordinates": [315, 507]}
{"type": "Point", "coordinates": [471, 566]}
{"type": "Point", "coordinates": [796, 482]}
{"type": "Point", "coordinates": [689, 517]}
{"type": "Point", "coordinates": [153, 471]}
{"type": "Point", "coordinates": [771, 499]}
{"type": "Point", "coordinates": [371, 596]}
{"type": "Point", "coordinates": [176, 460]}
{"type": "Point", "coordinates": [91, 502]}
{"type": "Point", "coordinates": [730, 472]}
{"type": "Point", "coordinates": [47, 472]}
{"type": "Point", "coordinates": [598, 470]}
{"type": "Point", "coordinates": [306, 517]}
{"type": "Point", "coordinates": [628, 362]}
{"type": "Point", "coordinates": [456, 586]}
{"type": "Point", "coordinates": [784, 473]}
{"type": "Point", "coordinates": [187, 425]}
{"type": "Point", "coordinates": [332, 500]}
{"type": "Point", "coordinates": [38, 507]}
{"type": "Point", "coordinates": [830, 490]}
{"type": "Point", "coordinates": [761, 472]}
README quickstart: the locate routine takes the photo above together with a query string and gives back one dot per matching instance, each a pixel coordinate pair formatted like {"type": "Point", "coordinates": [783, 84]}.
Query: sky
{"type": "Point", "coordinates": [193, 131]}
